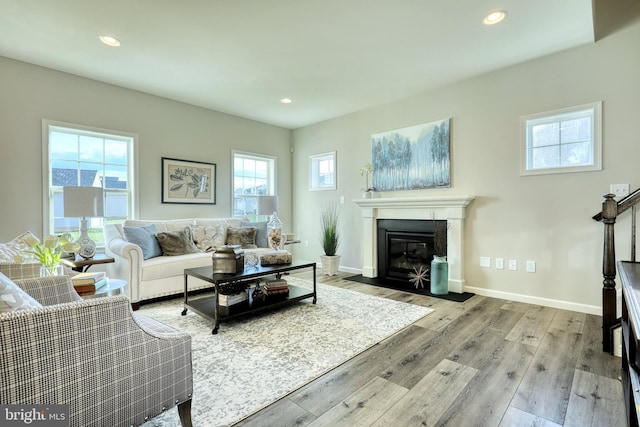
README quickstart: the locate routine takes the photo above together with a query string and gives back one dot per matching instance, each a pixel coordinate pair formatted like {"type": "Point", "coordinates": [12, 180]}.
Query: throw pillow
{"type": "Point", "coordinates": [145, 237]}
{"type": "Point", "coordinates": [261, 234]}
{"type": "Point", "coordinates": [243, 236]}
{"type": "Point", "coordinates": [207, 236]}
{"type": "Point", "coordinates": [177, 242]}
{"type": "Point", "coordinates": [17, 246]}
{"type": "Point", "coordinates": [13, 298]}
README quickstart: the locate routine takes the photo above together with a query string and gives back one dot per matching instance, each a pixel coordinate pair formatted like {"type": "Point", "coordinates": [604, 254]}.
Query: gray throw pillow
{"type": "Point", "coordinates": [13, 297]}
{"type": "Point", "coordinates": [261, 232]}
{"type": "Point", "coordinates": [177, 242]}
{"type": "Point", "coordinates": [145, 237]}
{"type": "Point", "coordinates": [243, 236]}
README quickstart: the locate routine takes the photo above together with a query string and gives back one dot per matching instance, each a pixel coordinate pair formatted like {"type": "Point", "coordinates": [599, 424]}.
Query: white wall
{"type": "Point", "coordinates": [542, 218]}
{"type": "Point", "coordinates": [165, 129]}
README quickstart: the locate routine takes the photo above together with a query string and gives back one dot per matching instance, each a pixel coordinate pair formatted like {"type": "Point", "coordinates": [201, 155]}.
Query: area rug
{"type": "Point", "coordinates": [255, 360]}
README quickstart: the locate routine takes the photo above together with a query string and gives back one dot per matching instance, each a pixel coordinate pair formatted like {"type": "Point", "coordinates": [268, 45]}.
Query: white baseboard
{"type": "Point", "coordinates": [546, 302]}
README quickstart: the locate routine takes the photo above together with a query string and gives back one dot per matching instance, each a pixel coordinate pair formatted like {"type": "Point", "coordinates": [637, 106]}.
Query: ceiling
{"type": "Point", "coordinates": [332, 57]}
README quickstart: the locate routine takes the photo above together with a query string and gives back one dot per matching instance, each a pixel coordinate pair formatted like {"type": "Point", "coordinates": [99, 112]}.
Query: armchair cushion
{"type": "Point", "coordinates": [15, 247]}
{"type": "Point", "coordinates": [145, 237]}
{"type": "Point", "coordinates": [13, 298]}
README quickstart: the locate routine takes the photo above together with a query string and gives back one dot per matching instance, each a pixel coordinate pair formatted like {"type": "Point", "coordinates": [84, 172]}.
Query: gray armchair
{"type": "Point", "coordinates": [111, 366]}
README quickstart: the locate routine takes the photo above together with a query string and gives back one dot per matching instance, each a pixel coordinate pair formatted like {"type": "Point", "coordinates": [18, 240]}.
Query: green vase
{"type": "Point", "coordinates": [439, 275]}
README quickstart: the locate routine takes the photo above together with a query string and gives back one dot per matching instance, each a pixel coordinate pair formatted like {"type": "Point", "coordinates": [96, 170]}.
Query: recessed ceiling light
{"type": "Point", "coordinates": [286, 100]}
{"type": "Point", "coordinates": [494, 17]}
{"type": "Point", "coordinates": [110, 41]}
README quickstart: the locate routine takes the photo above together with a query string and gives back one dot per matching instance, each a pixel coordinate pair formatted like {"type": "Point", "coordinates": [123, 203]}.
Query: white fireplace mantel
{"type": "Point", "coordinates": [450, 208]}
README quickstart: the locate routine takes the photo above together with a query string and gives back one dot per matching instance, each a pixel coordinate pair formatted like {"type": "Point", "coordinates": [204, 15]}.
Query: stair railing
{"type": "Point", "coordinates": [610, 212]}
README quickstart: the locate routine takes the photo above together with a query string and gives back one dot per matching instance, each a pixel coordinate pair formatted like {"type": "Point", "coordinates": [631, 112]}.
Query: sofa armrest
{"type": "Point", "coordinates": [127, 266]}
{"type": "Point", "coordinates": [50, 290]}
{"type": "Point", "coordinates": [85, 352]}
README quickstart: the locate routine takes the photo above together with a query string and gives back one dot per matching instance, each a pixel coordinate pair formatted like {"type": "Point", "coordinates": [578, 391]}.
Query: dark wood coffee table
{"type": "Point", "coordinates": [209, 306]}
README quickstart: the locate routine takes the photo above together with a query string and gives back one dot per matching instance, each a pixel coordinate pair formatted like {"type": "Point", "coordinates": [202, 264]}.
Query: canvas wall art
{"type": "Point", "coordinates": [412, 158]}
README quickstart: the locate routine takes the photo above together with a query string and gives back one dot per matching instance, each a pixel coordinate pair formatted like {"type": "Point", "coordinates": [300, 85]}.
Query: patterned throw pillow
{"type": "Point", "coordinates": [15, 247]}
{"type": "Point", "coordinates": [13, 298]}
{"type": "Point", "coordinates": [243, 236]}
{"type": "Point", "coordinates": [177, 242]}
{"type": "Point", "coordinates": [207, 236]}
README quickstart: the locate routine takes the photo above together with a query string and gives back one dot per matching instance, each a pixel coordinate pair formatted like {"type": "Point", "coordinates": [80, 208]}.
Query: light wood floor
{"type": "Point", "coordinates": [485, 362]}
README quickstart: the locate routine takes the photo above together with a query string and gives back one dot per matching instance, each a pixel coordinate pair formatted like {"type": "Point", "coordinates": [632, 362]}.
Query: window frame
{"type": "Point", "coordinates": [556, 116]}
{"type": "Point", "coordinates": [314, 171]}
{"type": "Point", "coordinates": [50, 190]}
{"type": "Point", "coordinates": [272, 161]}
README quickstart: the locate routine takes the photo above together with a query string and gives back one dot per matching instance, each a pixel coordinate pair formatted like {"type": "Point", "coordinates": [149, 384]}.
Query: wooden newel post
{"type": "Point", "coordinates": [609, 311]}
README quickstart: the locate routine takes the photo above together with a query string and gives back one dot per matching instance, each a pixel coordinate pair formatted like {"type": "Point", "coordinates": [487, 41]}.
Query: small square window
{"type": "Point", "coordinates": [322, 169]}
{"type": "Point", "coordinates": [560, 141]}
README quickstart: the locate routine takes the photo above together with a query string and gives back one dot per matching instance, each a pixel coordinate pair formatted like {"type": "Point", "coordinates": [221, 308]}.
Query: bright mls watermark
{"type": "Point", "coordinates": [34, 415]}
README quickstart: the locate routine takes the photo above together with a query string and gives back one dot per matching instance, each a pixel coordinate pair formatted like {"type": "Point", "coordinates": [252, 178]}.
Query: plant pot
{"type": "Point", "coordinates": [366, 194]}
{"type": "Point", "coordinates": [330, 264]}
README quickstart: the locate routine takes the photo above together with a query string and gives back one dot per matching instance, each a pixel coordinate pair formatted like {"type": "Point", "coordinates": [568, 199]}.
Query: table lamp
{"type": "Point", "coordinates": [84, 202]}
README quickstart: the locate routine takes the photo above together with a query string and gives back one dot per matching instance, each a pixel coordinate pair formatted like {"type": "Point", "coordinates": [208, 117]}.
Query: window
{"type": "Point", "coordinates": [253, 175]}
{"type": "Point", "coordinates": [82, 156]}
{"type": "Point", "coordinates": [567, 140]}
{"type": "Point", "coordinates": [322, 169]}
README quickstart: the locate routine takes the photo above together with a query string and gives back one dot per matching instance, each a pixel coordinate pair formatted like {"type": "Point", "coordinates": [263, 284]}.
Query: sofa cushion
{"type": "Point", "coordinates": [13, 298]}
{"type": "Point", "coordinates": [177, 242]}
{"type": "Point", "coordinates": [207, 236]}
{"type": "Point", "coordinates": [161, 225]}
{"type": "Point", "coordinates": [261, 233]}
{"type": "Point", "coordinates": [145, 237]}
{"type": "Point", "coordinates": [243, 236]}
{"type": "Point", "coordinates": [16, 247]}
{"type": "Point", "coordinates": [172, 266]}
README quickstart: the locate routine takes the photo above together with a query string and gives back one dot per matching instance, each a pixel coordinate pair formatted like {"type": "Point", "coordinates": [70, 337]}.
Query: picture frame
{"type": "Point", "coordinates": [188, 182]}
{"type": "Point", "coordinates": [322, 171]}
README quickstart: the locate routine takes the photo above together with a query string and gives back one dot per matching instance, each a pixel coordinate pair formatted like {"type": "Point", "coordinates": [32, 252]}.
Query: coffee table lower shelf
{"type": "Point", "coordinates": [206, 306]}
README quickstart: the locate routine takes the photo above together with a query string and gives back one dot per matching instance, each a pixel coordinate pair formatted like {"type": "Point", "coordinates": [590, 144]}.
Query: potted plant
{"type": "Point", "coordinates": [330, 239]}
{"type": "Point", "coordinates": [365, 171]}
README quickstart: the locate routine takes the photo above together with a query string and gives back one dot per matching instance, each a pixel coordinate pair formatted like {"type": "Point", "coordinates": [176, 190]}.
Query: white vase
{"type": "Point", "coordinates": [366, 194]}
{"type": "Point", "coordinates": [330, 264]}
{"type": "Point", "coordinates": [51, 271]}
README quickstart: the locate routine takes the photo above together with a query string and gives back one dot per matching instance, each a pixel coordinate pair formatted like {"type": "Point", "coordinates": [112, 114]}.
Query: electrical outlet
{"type": "Point", "coordinates": [531, 266]}
{"type": "Point", "coordinates": [620, 190]}
{"type": "Point", "coordinates": [485, 261]}
{"type": "Point", "coordinates": [500, 263]}
{"type": "Point", "coordinates": [306, 243]}
{"type": "Point", "coordinates": [513, 264]}
{"type": "Point", "coordinates": [342, 200]}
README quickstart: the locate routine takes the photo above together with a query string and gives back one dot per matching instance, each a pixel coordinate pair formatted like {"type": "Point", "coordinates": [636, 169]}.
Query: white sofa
{"type": "Point", "coordinates": [163, 275]}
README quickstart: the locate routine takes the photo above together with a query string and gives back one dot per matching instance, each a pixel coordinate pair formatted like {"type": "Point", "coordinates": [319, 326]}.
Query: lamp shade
{"type": "Point", "coordinates": [267, 205]}
{"type": "Point", "coordinates": [80, 202]}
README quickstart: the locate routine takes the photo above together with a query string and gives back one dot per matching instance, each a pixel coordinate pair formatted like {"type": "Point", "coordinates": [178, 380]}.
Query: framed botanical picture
{"type": "Point", "coordinates": [186, 181]}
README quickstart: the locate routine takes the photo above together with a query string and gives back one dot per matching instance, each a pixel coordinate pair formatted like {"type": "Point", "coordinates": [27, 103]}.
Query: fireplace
{"type": "Point", "coordinates": [406, 245]}
{"type": "Point", "coordinates": [452, 210]}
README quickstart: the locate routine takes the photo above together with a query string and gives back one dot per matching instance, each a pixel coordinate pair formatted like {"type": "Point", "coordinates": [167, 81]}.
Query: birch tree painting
{"type": "Point", "coordinates": [412, 158]}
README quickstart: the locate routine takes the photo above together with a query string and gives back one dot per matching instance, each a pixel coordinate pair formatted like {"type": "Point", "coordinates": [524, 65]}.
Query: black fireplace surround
{"type": "Point", "coordinates": [405, 245]}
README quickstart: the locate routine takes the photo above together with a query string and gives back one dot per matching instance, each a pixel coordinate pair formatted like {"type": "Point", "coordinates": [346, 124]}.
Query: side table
{"type": "Point", "coordinates": [83, 264]}
{"type": "Point", "coordinates": [114, 287]}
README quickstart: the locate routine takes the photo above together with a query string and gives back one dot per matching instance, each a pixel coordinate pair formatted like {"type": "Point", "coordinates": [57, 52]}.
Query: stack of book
{"type": "Point", "coordinates": [89, 282]}
{"type": "Point", "coordinates": [276, 288]}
